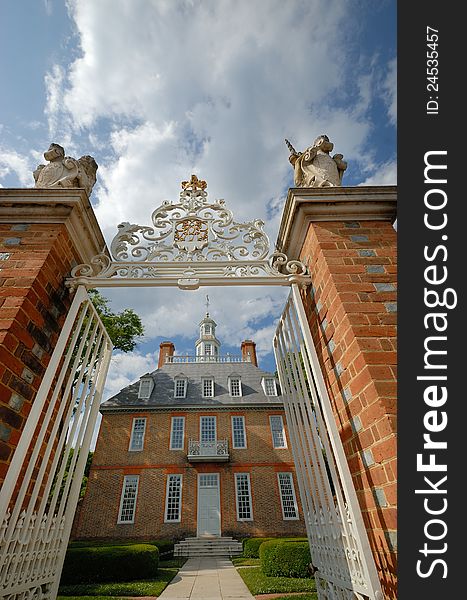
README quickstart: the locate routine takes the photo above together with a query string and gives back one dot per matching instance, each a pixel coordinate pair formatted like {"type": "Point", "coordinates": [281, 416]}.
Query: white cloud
{"type": "Point", "coordinates": [212, 88]}
{"type": "Point", "coordinates": [390, 91]}
{"type": "Point", "coordinates": [13, 162]}
{"type": "Point", "coordinates": [125, 369]}
{"type": "Point", "coordinates": [385, 174]}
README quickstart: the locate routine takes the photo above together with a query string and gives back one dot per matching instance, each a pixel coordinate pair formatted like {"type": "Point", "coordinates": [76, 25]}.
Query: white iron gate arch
{"type": "Point", "coordinates": [191, 243]}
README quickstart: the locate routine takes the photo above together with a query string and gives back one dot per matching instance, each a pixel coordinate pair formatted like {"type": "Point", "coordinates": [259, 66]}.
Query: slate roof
{"type": "Point", "coordinates": [163, 390]}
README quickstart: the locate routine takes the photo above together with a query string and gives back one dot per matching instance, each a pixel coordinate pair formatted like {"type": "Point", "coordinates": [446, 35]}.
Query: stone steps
{"type": "Point", "coordinates": [223, 546]}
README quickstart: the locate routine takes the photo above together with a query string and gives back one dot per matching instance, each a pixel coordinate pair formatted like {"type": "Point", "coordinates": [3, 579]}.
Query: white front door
{"type": "Point", "coordinates": [209, 511]}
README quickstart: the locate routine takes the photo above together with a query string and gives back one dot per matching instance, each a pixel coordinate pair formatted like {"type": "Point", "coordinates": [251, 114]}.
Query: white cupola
{"type": "Point", "coordinates": [207, 345]}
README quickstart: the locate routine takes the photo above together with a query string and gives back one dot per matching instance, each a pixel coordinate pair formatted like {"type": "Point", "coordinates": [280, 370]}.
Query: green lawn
{"type": "Point", "coordinates": [147, 587]}
{"type": "Point", "coordinates": [312, 596]}
{"type": "Point", "coordinates": [240, 561]}
{"type": "Point", "coordinates": [258, 583]}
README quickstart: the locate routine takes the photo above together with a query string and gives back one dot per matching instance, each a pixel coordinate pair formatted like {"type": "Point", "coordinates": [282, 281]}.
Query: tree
{"type": "Point", "coordinates": [123, 328]}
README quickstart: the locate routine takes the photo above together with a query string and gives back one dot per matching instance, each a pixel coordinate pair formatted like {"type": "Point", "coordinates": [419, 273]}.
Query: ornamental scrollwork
{"type": "Point", "coordinates": [195, 235]}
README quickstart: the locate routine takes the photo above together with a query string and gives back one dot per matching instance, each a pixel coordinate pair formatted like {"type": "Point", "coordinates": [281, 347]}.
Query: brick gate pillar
{"type": "Point", "coordinates": [44, 233]}
{"type": "Point", "coordinates": [346, 237]}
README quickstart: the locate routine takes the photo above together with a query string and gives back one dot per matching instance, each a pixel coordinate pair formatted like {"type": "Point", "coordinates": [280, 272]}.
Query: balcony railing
{"type": "Point", "coordinates": [206, 358]}
{"type": "Point", "coordinates": [217, 451]}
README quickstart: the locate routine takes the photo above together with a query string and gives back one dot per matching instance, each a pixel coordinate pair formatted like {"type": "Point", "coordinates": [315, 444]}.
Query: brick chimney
{"type": "Point", "coordinates": [249, 352]}
{"type": "Point", "coordinates": [166, 349]}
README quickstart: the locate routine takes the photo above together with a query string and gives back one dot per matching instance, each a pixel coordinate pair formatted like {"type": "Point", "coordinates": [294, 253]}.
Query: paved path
{"type": "Point", "coordinates": [207, 579]}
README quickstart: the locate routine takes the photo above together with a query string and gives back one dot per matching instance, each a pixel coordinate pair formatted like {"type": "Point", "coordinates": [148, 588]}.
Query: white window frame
{"type": "Point", "coordinates": [211, 379]}
{"type": "Point", "coordinates": [274, 445]}
{"type": "Point", "coordinates": [143, 381]}
{"type": "Point", "coordinates": [122, 498]}
{"type": "Point", "coordinates": [201, 428]}
{"type": "Point", "coordinates": [208, 346]}
{"type": "Point", "coordinates": [233, 432]}
{"type": "Point", "coordinates": [237, 476]}
{"type": "Point", "coordinates": [240, 394]}
{"type": "Point", "coordinates": [207, 329]}
{"type": "Point", "coordinates": [132, 437]}
{"type": "Point", "coordinates": [294, 497]}
{"type": "Point", "coordinates": [185, 385]}
{"type": "Point", "coordinates": [169, 477]}
{"type": "Point", "coordinates": [265, 387]}
{"type": "Point", "coordinates": [172, 422]}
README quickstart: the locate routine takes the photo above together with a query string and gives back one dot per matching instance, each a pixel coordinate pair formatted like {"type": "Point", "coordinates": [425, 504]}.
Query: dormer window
{"type": "Point", "coordinates": [269, 386]}
{"type": "Point", "coordinates": [235, 386]}
{"type": "Point", "coordinates": [180, 387]}
{"type": "Point", "coordinates": [208, 387]}
{"type": "Point", "coordinates": [145, 387]}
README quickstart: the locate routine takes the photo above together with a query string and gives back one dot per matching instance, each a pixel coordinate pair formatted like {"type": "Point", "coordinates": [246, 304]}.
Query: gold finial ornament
{"type": "Point", "coordinates": [194, 184]}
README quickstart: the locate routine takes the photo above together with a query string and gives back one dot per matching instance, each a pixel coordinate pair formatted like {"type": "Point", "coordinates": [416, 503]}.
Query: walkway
{"type": "Point", "coordinates": [212, 578]}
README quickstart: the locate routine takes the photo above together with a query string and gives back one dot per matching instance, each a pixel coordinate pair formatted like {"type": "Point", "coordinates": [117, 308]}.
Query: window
{"type": "Point", "coordinates": [277, 432]}
{"type": "Point", "coordinates": [207, 329]}
{"type": "Point", "coordinates": [128, 499]}
{"type": "Point", "coordinates": [208, 429]}
{"type": "Point", "coordinates": [177, 433]}
{"type": "Point", "coordinates": [207, 349]}
{"type": "Point", "coordinates": [269, 386]}
{"type": "Point", "coordinates": [243, 497]}
{"type": "Point", "coordinates": [208, 387]}
{"type": "Point", "coordinates": [145, 387]}
{"type": "Point", "coordinates": [173, 502]}
{"type": "Point", "coordinates": [288, 500]}
{"type": "Point", "coordinates": [235, 386]}
{"type": "Point", "coordinates": [137, 434]}
{"type": "Point", "coordinates": [238, 432]}
{"type": "Point", "coordinates": [180, 387]}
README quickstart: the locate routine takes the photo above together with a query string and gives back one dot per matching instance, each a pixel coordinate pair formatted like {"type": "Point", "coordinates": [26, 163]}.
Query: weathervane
{"type": "Point", "coordinates": [207, 305]}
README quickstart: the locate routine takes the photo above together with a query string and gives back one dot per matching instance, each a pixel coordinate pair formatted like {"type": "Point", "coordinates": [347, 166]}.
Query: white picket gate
{"type": "Point", "coordinates": [340, 550]}
{"type": "Point", "coordinates": [38, 499]}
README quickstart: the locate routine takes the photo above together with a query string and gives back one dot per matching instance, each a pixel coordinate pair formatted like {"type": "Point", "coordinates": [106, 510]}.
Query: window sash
{"type": "Point", "coordinates": [177, 433]}
{"type": "Point", "coordinates": [208, 387]}
{"type": "Point", "coordinates": [288, 498]}
{"type": "Point", "coordinates": [180, 388]}
{"type": "Point", "coordinates": [173, 499]}
{"type": "Point", "coordinates": [145, 387]}
{"type": "Point", "coordinates": [235, 387]}
{"type": "Point", "coordinates": [277, 432]}
{"type": "Point", "coordinates": [270, 388]}
{"type": "Point", "coordinates": [243, 497]}
{"type": "Point", "coordinates": [238, 432]}
{"type": "Point", "coordinates": [207, 429]}
{"type": "Point", "coordinates": [126, 513]}
{"type": "Point", "coordinates": [137, 434]}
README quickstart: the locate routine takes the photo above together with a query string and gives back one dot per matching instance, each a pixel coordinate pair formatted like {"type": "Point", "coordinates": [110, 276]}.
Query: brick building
{"type": "Point", "coordinates": [199, 447]}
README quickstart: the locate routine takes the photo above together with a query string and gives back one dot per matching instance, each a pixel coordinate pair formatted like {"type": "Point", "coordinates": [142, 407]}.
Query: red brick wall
{"type": "Point", "coordinates": [352, 316]}
{"type": "Point", "coordinates": [112, 461]}
{"type": "Point", "coordinates": [34, 261]}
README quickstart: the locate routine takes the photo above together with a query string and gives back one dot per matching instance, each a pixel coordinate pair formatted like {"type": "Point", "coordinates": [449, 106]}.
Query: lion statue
{"type": "Point", "coordinates": [65, 172]}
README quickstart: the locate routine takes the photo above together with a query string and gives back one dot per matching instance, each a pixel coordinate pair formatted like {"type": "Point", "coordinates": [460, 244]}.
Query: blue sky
{"type": "Point", "coordinates": [158, 89]}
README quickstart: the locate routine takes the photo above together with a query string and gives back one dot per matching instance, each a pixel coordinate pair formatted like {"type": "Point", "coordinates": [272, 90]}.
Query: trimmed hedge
{"type": "Point", "coordinates": [166, 547]}
{"type": "Point", "coordinates": [285, 559]}
{"type": "Point", "coordinates": [251, 546]}
{"type": "Point", "coordinates": [110, 563]}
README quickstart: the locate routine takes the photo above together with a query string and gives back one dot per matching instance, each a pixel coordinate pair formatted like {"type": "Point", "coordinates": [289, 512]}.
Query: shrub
{"type": "Point", "coordinates": [285, 559]}
{"type": "Point", "coordinates": [251, 546]}
{"type": "Point", "coordinates": [110, 563]}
